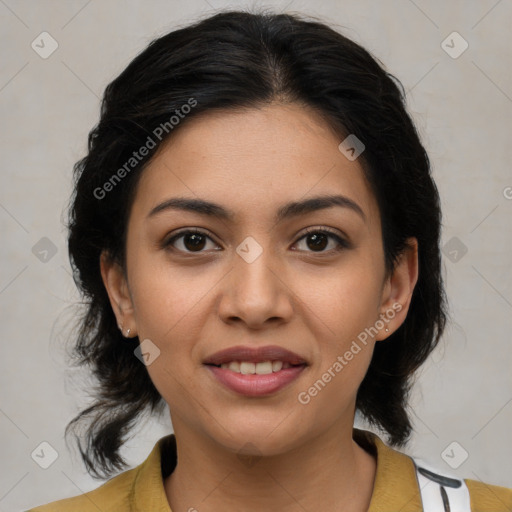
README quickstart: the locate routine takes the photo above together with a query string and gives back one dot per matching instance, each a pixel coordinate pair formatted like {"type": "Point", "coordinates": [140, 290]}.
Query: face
{"type": "Point", "coordinates": [258, 270]}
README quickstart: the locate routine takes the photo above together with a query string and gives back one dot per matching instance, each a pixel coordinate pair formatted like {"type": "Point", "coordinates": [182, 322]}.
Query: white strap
{"type": "Point", "coordinates": [441, 492]}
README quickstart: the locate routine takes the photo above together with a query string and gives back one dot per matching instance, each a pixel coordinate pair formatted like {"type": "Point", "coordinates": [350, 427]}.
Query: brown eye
{"type": "Point", "coordinates": [317, 240]}
{"type": "Point", "coordinates": [189, 241]}
{"type": "Point", "coordinates": [194, 242]}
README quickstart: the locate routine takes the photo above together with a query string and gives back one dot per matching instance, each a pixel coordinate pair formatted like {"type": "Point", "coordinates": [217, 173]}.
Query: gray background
{"type": "Point", "coordinates": [462, 108]}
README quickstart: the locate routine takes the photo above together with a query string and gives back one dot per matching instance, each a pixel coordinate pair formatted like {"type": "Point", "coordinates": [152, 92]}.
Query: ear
{"type": "Point", "coordinates": [116, 285]}
{"type": "Point", "coordinates": [398, 288]}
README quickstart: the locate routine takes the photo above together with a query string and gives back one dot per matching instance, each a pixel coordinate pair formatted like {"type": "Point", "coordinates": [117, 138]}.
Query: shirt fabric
{"type": "Point", "coordinates": [396, 489]}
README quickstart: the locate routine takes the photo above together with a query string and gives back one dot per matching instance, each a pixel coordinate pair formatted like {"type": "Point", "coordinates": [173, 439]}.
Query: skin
{"type": "Point", "coordinates": [312, 301]}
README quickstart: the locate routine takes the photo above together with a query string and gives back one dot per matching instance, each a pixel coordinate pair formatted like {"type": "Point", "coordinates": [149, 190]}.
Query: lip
{"type": "Point", "coordinates": [254, 385]}
{"type": "Point", "coordinates": [255, 355]}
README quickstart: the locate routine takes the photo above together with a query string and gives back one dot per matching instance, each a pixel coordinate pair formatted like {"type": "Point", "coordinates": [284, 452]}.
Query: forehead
{"type": "Point", "coordinates": [253, 160]}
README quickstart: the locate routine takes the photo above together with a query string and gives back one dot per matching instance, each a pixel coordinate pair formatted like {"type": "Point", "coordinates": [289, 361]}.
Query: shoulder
{"type": "Point", "coordinates": [489, 498]}
{"type": "Point", "coordinates": [407, 483]}
{"type": "Point", "coordinates": [460, 494]}
{"type": "Point", "coordinates": [112, 496]}
{"type": "Point", "coordinates": [139, 488]}
{"type": "Point", "coordinates": [465, 495]}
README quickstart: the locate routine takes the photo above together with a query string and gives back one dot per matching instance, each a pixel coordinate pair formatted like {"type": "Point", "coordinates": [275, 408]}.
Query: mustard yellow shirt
{"type": "Point", "coordinates": [395, 489]}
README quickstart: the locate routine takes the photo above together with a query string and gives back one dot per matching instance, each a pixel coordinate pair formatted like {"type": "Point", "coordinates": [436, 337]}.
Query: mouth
{"type": "Point", "coordinates": [259, 368]}
{"type": "Point", "coordinates": [255, 371]}
{"type": "Point", "coordinates": [255, 355]}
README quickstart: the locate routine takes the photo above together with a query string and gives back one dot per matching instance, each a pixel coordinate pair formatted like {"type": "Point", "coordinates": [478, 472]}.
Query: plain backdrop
{"type": "Point", "coordinates": [461, 100]}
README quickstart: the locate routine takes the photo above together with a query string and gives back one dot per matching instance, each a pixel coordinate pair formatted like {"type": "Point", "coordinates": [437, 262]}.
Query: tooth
{"type": "Point", "coordinates": [234, 366]}
{"type": "Point", "coordinates": [247, 368]}
{"type": "Point", "coordinates": [277, 365]}
{"type": "Point", "coordinates": [264, 368]}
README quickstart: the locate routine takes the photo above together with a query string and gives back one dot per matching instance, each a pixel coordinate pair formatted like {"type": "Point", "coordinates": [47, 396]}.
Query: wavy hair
{"type": "Point", "coordinates": [235, 60]}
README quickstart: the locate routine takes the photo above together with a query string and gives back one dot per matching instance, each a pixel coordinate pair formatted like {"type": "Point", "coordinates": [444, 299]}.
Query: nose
{"type": "Point", "coordinates": [256, 293]}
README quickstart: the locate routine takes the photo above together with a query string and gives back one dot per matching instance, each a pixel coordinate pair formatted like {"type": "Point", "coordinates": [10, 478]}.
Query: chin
{"type": "Point", "coordinates": [263, 434]}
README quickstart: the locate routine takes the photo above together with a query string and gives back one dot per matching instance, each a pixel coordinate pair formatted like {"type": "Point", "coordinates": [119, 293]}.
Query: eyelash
{"type": "Point", "coordinates": [342, 243]}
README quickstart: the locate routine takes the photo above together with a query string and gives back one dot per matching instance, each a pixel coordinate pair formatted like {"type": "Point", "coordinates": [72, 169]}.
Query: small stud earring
{"type": "Point", "coordinates": [387, 330]}
{"type": "Point", "coordinates": [127, 333]}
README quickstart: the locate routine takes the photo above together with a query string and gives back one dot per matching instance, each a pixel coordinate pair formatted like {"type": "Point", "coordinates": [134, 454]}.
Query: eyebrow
{"type": "Point", "coordinates": [287, 211]}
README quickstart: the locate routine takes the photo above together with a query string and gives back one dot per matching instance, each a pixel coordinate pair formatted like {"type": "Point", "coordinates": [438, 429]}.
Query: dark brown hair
{"type": "Point", "coordinates": [241, 60]}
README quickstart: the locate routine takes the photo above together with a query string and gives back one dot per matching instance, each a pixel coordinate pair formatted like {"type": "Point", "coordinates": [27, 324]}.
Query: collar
{"type": "Point", "coordinates": [395, 486]}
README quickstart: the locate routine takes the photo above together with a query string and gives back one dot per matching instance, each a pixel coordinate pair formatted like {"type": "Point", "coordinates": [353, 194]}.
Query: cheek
{"type": "Point", "coordinates": [169, 311]}
{"type": "Point", "coordinates": [169, 308]}
{"type": "Point", "coordinates": [344, 299]}
{"type": "Point", "coordinates": [341, 309]}
{"type": "Point", "coordinates": [343, 312]}
{"type": "Point", "coordinates": [166, 297]}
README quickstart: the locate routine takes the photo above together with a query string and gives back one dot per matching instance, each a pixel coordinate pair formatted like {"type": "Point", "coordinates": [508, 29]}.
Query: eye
{"type": "Point", "coordinates": [195, 241]}
{"type": "Point", "coordinates": [191, 240]}
{"type": "Point", "coordinates": [318, 239]}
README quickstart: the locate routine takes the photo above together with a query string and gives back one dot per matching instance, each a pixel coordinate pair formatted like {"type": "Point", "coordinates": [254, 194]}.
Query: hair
{"type": "Point", "coordinates": [229, 61]}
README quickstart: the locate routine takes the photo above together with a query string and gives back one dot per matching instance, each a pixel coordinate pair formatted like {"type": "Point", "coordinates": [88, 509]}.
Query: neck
{"type": "Point", "coordinates": [329, 472]}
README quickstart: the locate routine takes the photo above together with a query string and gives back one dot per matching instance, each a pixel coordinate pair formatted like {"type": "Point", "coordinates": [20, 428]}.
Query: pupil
{"type": "Point", "coordinates": [197, 241]}
{"type": "Point", "coordinates": [319, 241]}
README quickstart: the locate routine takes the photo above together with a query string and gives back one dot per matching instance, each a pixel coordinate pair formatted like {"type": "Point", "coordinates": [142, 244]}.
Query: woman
{"type": "Point", "coordinates": [256, 230]}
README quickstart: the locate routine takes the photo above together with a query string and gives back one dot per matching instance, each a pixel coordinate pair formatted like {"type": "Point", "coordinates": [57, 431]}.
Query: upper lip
{"type": "Point", "coordinates": [254, 355]}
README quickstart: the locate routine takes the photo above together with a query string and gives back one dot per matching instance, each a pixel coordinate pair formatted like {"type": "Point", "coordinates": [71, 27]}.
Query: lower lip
{"type": "Point", "coordinates": [256, 385]}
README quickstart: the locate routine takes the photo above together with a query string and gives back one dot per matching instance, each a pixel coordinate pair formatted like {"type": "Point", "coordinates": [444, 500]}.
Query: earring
{"type": "Point", "coordinates": [127, 333]}
{"type": "Point", "coordinates": [387, 330]}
